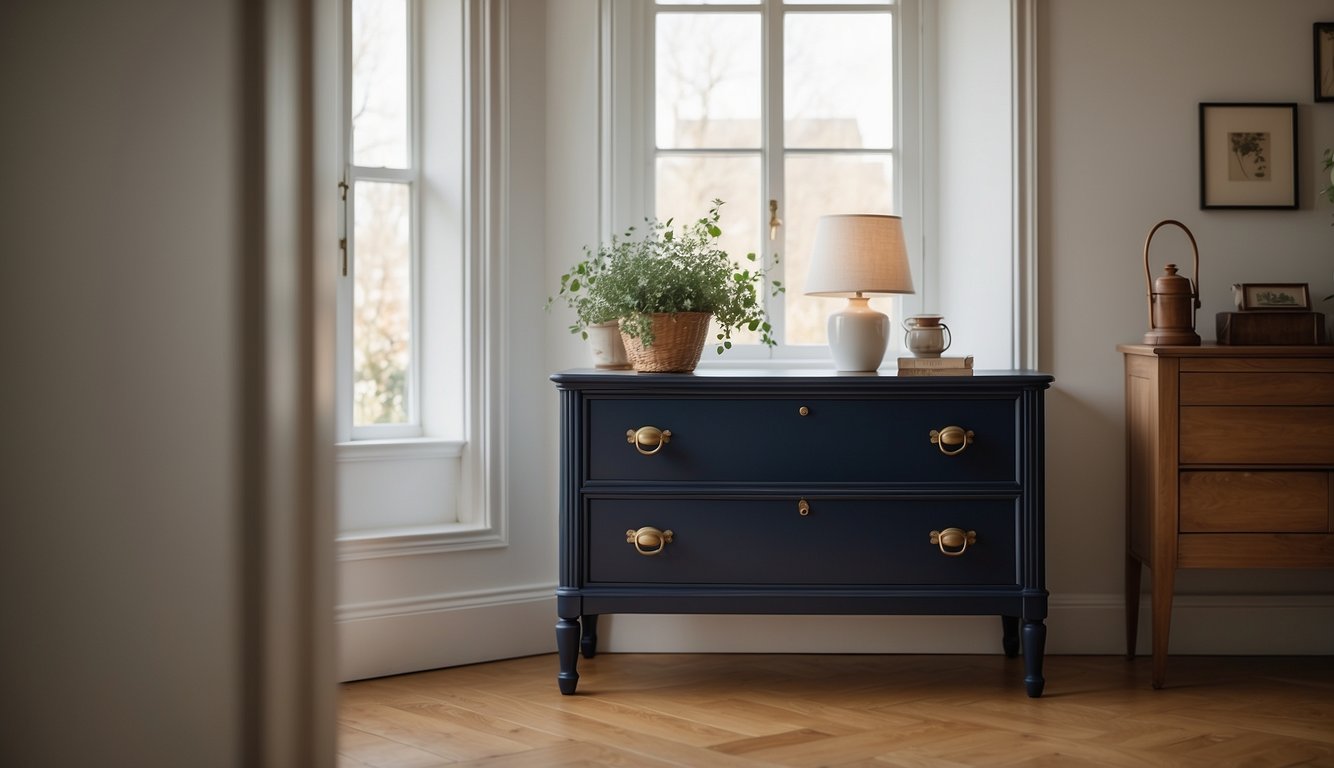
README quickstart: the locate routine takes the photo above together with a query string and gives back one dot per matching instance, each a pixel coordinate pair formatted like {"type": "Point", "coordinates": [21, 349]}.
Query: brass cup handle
{"type": "Point", "coordinates": [648, 437]}
{"type": "Point", "coordinates": [649, 540]}
{"type": "Point", "coordinates": [952, 436]}
{"type": "Point", "coordinates": [953, 541]}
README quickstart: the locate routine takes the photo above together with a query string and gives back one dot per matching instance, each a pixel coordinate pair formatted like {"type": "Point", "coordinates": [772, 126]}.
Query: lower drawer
{"type": "Point", "coordinates": [863, 542]}
{"type": "Point", "coordinates": [1255, 502]}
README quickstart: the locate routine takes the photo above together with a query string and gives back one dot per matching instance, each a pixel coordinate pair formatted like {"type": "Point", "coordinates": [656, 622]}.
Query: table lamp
{"type": "Point", "coordinates": [856, 255]}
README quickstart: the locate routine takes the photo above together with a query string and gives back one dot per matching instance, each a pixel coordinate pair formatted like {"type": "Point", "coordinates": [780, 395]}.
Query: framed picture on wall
{"type": "Point", "coordinates": [1248, 155]}
{"type": "Point", "coordinates": [1324, 61]}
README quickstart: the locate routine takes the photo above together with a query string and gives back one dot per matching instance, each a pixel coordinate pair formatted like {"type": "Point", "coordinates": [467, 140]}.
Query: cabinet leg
{"type": "Point", "coordinates": [1163, 579]}
{"type": "Point", "coordinates": [1035, 640]}
{"type": "Point", "coordinates": [1010, 635]}
{"type": "Point", "coordinates": [567, 649]}
{"type": "Point", "coordinates": [1133, 570]}
{"type": "Point", "coordinates": [588, 644]}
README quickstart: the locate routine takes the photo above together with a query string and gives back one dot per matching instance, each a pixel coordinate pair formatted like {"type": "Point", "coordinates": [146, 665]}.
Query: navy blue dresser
{"type": "Point", "coordinates": [801, 492]}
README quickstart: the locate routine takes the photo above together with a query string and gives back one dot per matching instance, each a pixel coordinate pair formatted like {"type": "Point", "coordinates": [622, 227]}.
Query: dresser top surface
{"type": "Point", "coordinates": [878, 381]}
{"type": "Point", "coordinates": [1213, 349]}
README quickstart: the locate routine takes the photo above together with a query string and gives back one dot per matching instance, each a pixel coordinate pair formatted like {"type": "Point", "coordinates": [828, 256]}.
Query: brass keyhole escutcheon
{"type": "Point", "coordinates": [803, 507]}
{"type": "Point", "coordinates": [648, 540]}
{"type": "Point", "coordinates": [952, 440]}
{"type": "Point", "coordinates": [646, 438]}
{"type": "Point", "coordinates": [953, 541]}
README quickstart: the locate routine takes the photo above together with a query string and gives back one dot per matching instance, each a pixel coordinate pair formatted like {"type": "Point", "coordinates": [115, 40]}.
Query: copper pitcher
{"type": "Point", "coordinates": [1173, 298]}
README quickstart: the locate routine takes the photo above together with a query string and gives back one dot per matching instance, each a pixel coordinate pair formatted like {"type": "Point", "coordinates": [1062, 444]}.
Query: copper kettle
{"type": "Point", "coordinates": [1173, 298]}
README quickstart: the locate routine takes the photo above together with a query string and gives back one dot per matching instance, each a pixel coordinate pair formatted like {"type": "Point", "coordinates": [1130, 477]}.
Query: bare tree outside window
{"type": "Point", "coordinates": [837, 128]}
{"type": "Point", "coordinates": [381, 178]}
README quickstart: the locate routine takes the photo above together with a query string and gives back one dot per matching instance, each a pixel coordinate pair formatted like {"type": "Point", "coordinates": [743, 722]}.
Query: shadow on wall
{"type": "Point", "coordinates": [1085, 493]}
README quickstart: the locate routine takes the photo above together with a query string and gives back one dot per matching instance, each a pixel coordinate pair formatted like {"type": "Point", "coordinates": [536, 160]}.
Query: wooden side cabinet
{"type": "Point", "coordinates": [1229, 464]}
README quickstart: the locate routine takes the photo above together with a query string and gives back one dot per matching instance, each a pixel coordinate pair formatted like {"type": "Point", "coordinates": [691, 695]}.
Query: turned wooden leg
{"type": "Point", "coordinates": [567, 649]}
{"type": "Point", "coordinates": [1010, 635]}
{"type": "Point", "coordinates": [1162, 621]}
{"type": "Point", "coordinates": [1035, 639]}
{"type": "Point", "coordinates": [589, 643]}
{"type": "Point", "coordinates": [1133, 570]}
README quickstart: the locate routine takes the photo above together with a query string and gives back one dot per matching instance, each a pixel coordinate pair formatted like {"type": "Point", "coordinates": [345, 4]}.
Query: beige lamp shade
{"type": "Point", "coordinates": [859, 254]}
{"type": "Point", "coordinates": [855, 255]}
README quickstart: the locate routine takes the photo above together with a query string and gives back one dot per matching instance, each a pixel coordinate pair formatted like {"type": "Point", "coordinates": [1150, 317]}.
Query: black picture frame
{"type": "Point", "coordinates": [1323, 52]}
{"type": "Point", "coordinates": [1248, 155]}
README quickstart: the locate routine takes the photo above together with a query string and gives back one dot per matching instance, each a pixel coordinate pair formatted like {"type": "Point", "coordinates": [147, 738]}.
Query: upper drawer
{"type": "Point", "coordinates": [1299, 435]}
{"type": "Point", "coordinates": [770, 440]}
{"type": "Point", "coordinates": [865, 542]}
{"type": "Point", "coordinates": [1251, 388]}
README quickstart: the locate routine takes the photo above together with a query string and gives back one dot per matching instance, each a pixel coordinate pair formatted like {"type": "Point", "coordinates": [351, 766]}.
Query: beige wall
{"type": "Point", "coordinates": [119, 285]}
{"type": "Point", "coordinates": [1119, 85]}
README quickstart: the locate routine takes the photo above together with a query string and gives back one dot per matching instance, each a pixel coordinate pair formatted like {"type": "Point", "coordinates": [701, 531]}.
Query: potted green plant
{"type": "Point", "coordinates": [662, 286]}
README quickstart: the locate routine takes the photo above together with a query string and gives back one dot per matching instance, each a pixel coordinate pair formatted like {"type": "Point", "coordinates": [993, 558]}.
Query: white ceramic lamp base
{"type": "Point", "coordinates": [858, 336]}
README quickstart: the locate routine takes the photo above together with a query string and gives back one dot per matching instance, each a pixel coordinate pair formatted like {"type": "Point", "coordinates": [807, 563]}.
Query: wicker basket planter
{"type": "Point", "coordinates": [678, 340]}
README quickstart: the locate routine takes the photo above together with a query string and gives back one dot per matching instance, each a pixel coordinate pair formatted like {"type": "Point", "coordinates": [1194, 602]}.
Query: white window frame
{"type": "Point", "coordinates": [457, 393]}
{"type": "Point", "coordinates": [628, 157]}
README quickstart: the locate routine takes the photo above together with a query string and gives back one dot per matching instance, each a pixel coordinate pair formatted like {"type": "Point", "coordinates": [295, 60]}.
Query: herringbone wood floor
{"type": "Point", "coordinates": [781, 710]}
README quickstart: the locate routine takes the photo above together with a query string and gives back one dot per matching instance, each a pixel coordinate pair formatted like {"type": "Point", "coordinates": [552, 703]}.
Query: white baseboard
{"type": "Point", "coordinates": [392, 637]}
{"type": "Point", "coordinates": [398, 636]}
{"type": "Point", "coordinates": [1076, 624]}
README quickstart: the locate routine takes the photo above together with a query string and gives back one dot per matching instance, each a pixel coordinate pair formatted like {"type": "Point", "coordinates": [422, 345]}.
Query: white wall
{"type": "Point", "coordinates": [410, 612]}
{"type": "Point", "coordinates": [971, 271]}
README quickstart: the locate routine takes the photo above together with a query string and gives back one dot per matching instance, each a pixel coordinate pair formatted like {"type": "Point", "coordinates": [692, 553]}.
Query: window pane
{"type": "Point", "coordinates": [839, 2]}
{"type": "Point", "coordinates": [379, 83]}
{"type": "Point", "coordinates": [708, 80]}
{"type": "Point", "coordinates": [686, 186]}
{"type": "Point", "coordinates": [819, 185]}
{"type": "Point", "coordinates": [709, 2]}
{"type": "Point", "coordinates": [381, 303]}
{"type": "Point", "coordinates": [838, 80]}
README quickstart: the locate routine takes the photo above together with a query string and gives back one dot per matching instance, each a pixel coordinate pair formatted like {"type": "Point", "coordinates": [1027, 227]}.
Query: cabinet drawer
{"type": "Point", "coordinates": [865, 542]}
{"type": "Point", "coordinates": [1257, 388]}
{"type": "Point", "coordinates": [1255, 502]}
{"type": "Point", "coordinates": [1257, 435]}
{"type": "Point", "coordinates": [769, 440]}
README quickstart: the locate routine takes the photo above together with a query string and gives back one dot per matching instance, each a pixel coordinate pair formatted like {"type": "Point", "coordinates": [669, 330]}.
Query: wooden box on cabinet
{"type": "Point", "coordinates": [1229, 464]}
{"type": "Point", "coordinates": [801, 492]}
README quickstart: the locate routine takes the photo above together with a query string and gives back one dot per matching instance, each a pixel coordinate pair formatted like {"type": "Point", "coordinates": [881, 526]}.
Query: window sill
{"type": "Point", "coordinates": [405, 448]}
{"type": "Point", "coordinates": [419, 540]}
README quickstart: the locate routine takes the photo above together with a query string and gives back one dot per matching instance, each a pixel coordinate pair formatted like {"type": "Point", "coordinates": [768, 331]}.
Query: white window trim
{"type": "Point", "coordinates": [626, 162]}
{"type": "Point", "coordinates": [482, 504]}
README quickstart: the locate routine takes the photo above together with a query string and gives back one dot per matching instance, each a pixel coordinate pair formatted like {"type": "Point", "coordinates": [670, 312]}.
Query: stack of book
{"type": "Point", "coordinates": [936, 366]}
